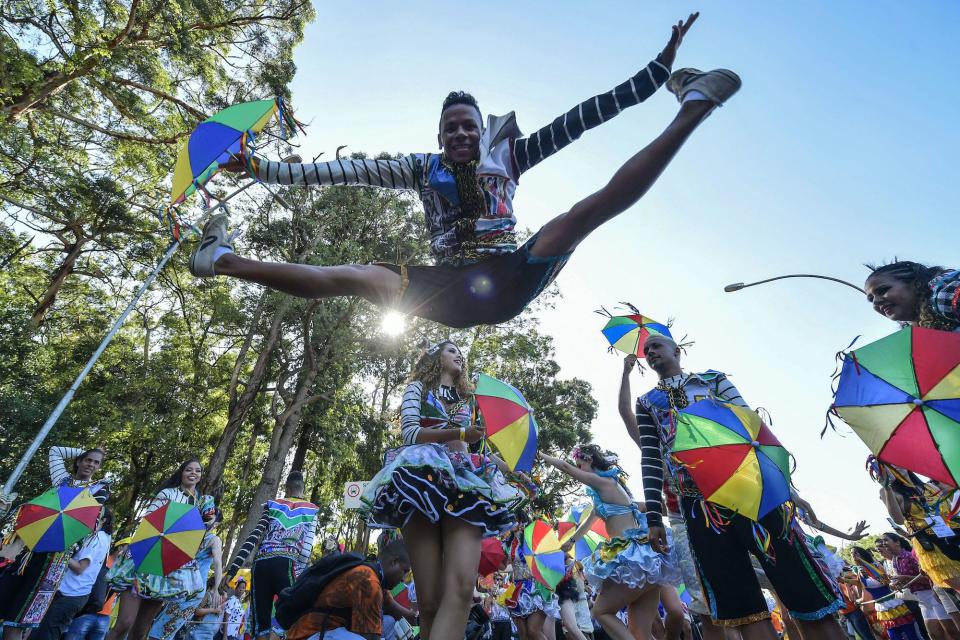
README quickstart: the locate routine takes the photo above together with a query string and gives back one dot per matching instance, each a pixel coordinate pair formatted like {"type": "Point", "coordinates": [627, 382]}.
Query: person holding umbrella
{"type": "Point", "coordinates": [143, 595]}
{"type": "Point", "coordinates": [628, 571]}
{"type": "Point", "coordinates": [29, 584]}
{"type": "Point", "coordinates": [722, 551]}
{"type": "Point", "coordinates": [442, 498]}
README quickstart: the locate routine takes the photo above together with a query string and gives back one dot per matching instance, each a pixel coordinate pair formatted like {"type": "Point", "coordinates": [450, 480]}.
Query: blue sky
{"type": "Point", "coordinates": [840, 149]}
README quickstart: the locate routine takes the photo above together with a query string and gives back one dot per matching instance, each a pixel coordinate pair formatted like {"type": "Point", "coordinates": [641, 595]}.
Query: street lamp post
{"type": "Point", "coordinates": [737, 286]}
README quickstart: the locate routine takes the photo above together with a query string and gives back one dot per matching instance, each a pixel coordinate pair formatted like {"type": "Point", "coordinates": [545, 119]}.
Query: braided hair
{"type": "Point", "coordinates": [918, 276]}
{"type": "Point", "coordinates": [603, 460]}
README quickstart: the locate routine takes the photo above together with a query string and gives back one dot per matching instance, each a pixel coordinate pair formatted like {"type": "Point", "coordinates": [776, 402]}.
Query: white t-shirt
{"type": "Point", "coordinates": [95, 550]}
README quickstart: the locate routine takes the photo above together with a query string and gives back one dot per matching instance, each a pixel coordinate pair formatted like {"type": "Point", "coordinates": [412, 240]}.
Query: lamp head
{"type": "Point", "coordinates": [736, 286]}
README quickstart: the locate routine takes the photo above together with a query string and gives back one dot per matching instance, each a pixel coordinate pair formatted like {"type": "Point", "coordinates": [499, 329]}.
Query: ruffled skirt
{"type": "Point", "coordinates": [432, 480]}
{"type": "Point", "coordinates": [936, 564]}
{"type": "Point", "coordinates": [896, 616]}
{"type": "Point", "coordinates": [531, 596]}
{"type": "Point", "coordinates": [186, 582]}
{"type": "Point", "coordinates": [629, 560]}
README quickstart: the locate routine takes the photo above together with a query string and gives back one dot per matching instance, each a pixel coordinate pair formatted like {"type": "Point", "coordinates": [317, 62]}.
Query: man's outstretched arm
{"type": "Point", "coordinates": [566, 128]}
{"type": "Point", "coordinates": [391, 174]}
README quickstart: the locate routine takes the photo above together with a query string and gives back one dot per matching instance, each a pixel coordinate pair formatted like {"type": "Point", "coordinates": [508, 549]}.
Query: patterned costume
{"type": "Point", "coordinates": [434, 481]}
{"type": "Point", "coordinates": [179, 611]}
{"type": "Point", "coordinates": [29, 583]}
{"type": "Point", "coordinates": [284, 538]}
{"type": "Point", "coordinates": [629, 559]}
{"type": "Point", "coordinates": [721, 540]}
{"type": "Point", "coordinates": [892, 614]}
{"type": "Point", "coordinates": [184, 583]}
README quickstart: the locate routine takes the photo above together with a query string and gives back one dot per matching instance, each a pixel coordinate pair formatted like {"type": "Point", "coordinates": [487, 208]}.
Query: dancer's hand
{"type": "Point", "coordinates": [658, 539]}
{"type": "Point", "coordinates": [473, 435]}
{"type": "Point", "coordinates": [669, 53]}
{"type": "Point", "coordinates": [859, 530]}
{"type": "Point", "coordinates": [629, 363]}
{"type": "Point", "coordinates": [566, 546]}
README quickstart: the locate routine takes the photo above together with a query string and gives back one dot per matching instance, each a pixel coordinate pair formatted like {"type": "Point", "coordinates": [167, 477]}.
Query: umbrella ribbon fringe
{"type": "Point", "coordinates": [290, 124]}
{"type": "Point", "coordinates": [762, 537]}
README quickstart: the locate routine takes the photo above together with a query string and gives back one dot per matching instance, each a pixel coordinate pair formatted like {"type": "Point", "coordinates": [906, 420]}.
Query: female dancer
{"type": "Point", "coordinates": [911, 502]}
{"type": "Point", "coordinates": [892, 613]}
{"type": "Point", "coordinates": [911, 292]}
{"type": "Point", "coordinates": [179, 611]}
{"type": "Point", "coordinates": [143, 595]}
{"type": "Point", "coordinates": [626, 568]}
{"type": "Point", "coordinates": [29, 583]}
{"type": "Point", "coordinates": [444, 500]}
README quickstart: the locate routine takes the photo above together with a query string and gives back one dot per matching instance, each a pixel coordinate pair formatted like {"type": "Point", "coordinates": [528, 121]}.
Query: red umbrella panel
{"type": "Point", "coordinates": [492, 556]}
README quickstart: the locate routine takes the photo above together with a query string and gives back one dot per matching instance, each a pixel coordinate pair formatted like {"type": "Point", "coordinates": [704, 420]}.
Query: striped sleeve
{"type": "Point", "coordinates": [531, 150]}
{"type": "Point", "coordinates": [57, 459]}
{"type": "Point", "coordinates": [246, 549]}
{"type": "Point", "coordinates": [410, 412]}
{"type": "Point", "coordinates": [306, 542]}
{"type": "Point", "coordinates": [391, 174]}
{"type": "Point", "coordinates": [724, 390]}
{"type": "Point", "coordinates": [651, 465]}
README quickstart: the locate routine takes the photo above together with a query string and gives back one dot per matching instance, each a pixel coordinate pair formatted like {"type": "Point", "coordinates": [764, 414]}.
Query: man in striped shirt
{"type": "Point", "coordinates": [481, 275]}
{"type": "Point", "coordinates": [718, 563]}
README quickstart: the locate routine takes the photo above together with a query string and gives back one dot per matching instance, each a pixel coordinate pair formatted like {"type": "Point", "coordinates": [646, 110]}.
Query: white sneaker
{"type": "Point", "coordinates": [717, 85]}
{"type": "Point", "coordinates": [214, 236]}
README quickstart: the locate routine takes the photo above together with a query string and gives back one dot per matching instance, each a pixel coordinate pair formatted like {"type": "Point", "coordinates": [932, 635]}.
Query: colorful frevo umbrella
{"type": "Point", "coordinates": [541, 550]}
{"type": "Point", "coordinates": [168, 538]}
{"type": "Point", "coordinates": [629, 333]}
{"type": "Point", "coordinates": [901, 395]}
{"type": "Point", "coordinates": [57, 519]}
{"type": "Point", "coordinates": [733, 458]}
{"type": "Point", "coordinates": [509, 422]}
{"type": "Point", "coordinates": [590, 540]}
{"type": "Point", "coordinates": [220, 138]}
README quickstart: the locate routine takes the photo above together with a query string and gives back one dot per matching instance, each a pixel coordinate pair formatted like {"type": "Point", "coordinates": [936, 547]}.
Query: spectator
{"type": "Point", "coordinates": [908, 574]}
{"type": "Point", "coordinates": [350, 607]}
{"type": "Point", "coordinates": [94, 619]}
{"type": "Point", "coordinates": [233, 613]}
{"type": "Point", "coordinates": [78, 581]}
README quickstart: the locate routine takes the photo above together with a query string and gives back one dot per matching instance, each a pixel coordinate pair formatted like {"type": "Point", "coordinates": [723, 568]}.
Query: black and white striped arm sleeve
{"type": "Point", "coordinates": [527, 152]}
{"type": "Point", "coordinates": [726, 392]}
{"type": "Point", "coordinates": [246, 549]}
{"type": "Point", "coordinates": [57, 460]}
{"type": "Point", "coordinates": [410, 413]}
{"type": "Point", "coordinates": [651, 466]}
{"type": "Point", "coordinates": [390, 174]}
{"type": "Point", "coordinates": [308, 539]}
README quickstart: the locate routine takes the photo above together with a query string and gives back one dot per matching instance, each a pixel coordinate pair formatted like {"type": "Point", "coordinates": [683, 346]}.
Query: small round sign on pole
{"type": "Point", "coordinates": [352, 492]}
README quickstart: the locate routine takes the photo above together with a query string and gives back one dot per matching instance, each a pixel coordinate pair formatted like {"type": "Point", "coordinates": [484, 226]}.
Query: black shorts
{"type": "Point", "coordinates": [729, 582]}
{"type": "Point", "coordinates": [489, 292]}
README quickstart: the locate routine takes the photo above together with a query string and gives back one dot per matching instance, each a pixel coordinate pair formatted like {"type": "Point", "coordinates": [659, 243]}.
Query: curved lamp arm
{"type": "Point", "coordinates": [739, 285]}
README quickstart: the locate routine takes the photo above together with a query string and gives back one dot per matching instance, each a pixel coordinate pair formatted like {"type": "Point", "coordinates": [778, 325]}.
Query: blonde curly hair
{"type": "Point", "coordinates": [427, 370]}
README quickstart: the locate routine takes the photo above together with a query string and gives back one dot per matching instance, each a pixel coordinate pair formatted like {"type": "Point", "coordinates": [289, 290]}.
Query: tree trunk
{"type": "Point", "coordinates": [235, 518]}
{"type": "Point", "coordinates": [238, 411]}
{"type": "Point", "coordinates": [56, 283]}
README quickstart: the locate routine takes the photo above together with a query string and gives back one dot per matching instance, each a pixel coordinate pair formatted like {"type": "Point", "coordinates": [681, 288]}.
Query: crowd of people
{"type": "Point", "coordinates": [442, 493]}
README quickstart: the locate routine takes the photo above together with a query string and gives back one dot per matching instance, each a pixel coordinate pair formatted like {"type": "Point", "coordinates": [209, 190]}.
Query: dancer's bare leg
{"type": "Point", "coordinates": [699, 93]}
{"type": "Point", "coordinates": [562, 234]}
{"type": "Point", "coordinates": [373, 282]}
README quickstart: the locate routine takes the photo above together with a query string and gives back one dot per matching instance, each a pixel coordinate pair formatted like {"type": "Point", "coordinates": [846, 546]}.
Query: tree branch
{"type": "Point", "coordinates": [120, 135]}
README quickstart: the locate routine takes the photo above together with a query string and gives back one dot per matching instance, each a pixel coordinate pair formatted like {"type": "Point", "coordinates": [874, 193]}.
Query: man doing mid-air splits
{"type": "Point", "coordinates": [481, 276]}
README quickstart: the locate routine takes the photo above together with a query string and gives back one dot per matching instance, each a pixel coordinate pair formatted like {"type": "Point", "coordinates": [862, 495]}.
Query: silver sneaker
{"type": "Point", "coordinates": [214, 236]}
{"type": "Point", "coordinates": [717, 85]}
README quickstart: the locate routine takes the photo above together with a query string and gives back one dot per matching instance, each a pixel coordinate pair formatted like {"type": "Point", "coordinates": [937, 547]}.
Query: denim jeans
{"type": "Point", "coordinates": [91, 626]}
